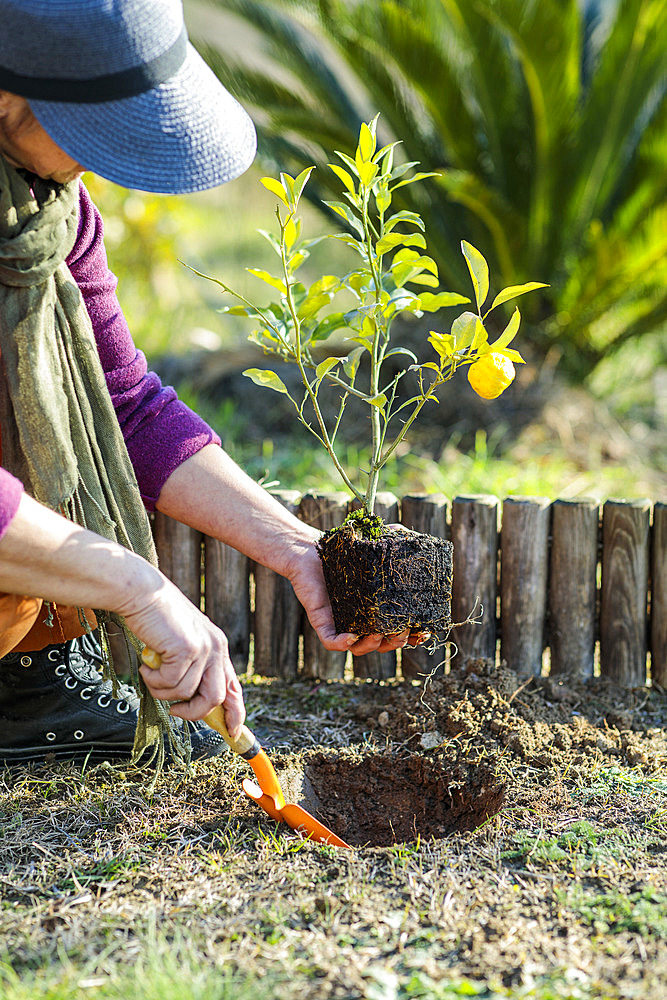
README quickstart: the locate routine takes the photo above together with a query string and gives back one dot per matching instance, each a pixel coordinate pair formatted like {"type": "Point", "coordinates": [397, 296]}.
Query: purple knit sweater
{"type": "Point", "coordinates": [159, 430]}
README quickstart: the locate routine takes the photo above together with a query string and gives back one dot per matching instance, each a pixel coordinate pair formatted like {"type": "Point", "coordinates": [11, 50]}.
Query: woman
{"type": "Point", "coordinates": [90, 437]}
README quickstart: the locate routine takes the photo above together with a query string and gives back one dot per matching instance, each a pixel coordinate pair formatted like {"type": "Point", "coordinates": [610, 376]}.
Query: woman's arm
{"type": "Point", "coordinates": [212, 494]}
{"type": "Point", "coordinates": [44, 555]}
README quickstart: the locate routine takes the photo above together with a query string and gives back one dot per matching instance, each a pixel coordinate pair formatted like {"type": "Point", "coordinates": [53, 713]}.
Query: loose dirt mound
{"type": "Point", "coordinates": [481, 713]}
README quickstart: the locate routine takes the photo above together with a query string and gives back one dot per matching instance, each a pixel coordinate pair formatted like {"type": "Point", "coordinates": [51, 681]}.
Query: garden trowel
{"type": "Point", "coordinates": [267, 793]}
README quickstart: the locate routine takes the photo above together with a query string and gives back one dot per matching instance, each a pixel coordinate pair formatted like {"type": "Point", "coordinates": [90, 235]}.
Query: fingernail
{"type": "Point", "coordinates": [353, 638]}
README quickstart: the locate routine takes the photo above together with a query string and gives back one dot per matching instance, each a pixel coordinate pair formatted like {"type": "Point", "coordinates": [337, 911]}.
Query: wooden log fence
{"type": "Point", "coordinates": [570, 586]}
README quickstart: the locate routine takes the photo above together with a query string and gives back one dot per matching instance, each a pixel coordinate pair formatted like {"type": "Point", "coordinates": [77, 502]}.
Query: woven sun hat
{"type": "Point", "coordinates": [117, 85]}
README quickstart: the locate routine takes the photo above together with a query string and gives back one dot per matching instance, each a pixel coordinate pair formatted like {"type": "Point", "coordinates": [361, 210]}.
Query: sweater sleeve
{"type": "Point", "coordinates": [159, 430]}
{"type": "Point", "coordinates": [11, 490]}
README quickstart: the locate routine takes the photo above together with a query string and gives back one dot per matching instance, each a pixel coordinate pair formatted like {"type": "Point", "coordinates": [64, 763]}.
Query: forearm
{"type": "Point", "coordinates": [212, 494]}
{"type": "Point", "coordinates": [44, 555]}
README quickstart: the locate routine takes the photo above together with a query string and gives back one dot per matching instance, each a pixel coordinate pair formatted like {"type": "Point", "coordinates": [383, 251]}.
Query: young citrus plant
{"type": "Point", "coordinates": [394, 275]}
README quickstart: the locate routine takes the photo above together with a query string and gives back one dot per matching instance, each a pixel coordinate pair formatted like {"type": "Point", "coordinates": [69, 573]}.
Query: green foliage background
{"type": "Point", "coordinates": [547, 121]}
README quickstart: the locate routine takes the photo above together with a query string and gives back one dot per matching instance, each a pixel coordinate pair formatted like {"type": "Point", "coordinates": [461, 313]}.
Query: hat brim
{"type": "Point", "coordinates": [187, 134]}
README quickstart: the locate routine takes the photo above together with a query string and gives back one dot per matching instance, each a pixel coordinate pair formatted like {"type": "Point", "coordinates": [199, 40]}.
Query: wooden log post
{"type": "Point", "coordinates": [659, 596]}
{"type": "Point", "coordinates": [523, 582]}
{"type": "Point", "coordinates": [572, 586]}
{"type": "Point", "coordinates": [475, 589]}
{"type": "Point", "coordinates": [323, 511]}
{"type": "Point", "coordinates": [227, 597]}
{"type": "Point", "coordinates": [379, 666]}
{"type": "Point", "coordinates": [277, 618]}
{"type": "Point", "coordinates": [623, 599]}
{"type": "Point", "coordinates": [179, 550]}
{"type": "Point", "coordinates": [426, 513]}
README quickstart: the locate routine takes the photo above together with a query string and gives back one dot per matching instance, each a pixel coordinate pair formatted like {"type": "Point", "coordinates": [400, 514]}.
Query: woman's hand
{"type": "Point", "coordinates": [196, 673]}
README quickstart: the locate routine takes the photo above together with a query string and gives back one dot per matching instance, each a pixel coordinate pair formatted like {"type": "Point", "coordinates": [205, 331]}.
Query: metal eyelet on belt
{"type": "Point", "coordinates": [78, 735]}
{"type": "Point", "coordinates": [86, 694]}
{"type": "Point", "coordinates": [103, 700]}
{"type": "Point", "coordinates": [26, 661]}
{"type": "Point", "coordinates": [60, 670]}
{"type": "Point", "coordinates": [51, 737]}
{"type": "Point", "coordinates": [70, 683]}
{"type": "Point", "coordinates": [122, 710]}
{"type": "Point", "coordinates": [53, 655]}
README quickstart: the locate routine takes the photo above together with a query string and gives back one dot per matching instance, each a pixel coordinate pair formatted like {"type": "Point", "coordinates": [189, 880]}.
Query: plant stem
{"type": "Point", "coordinates": [328, 444]}
{"type": "Point", "coordinates": [376, 447]}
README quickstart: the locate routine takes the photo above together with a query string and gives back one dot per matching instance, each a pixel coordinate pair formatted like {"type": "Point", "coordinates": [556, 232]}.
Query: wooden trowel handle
{"type": "Point", "coordinates": [246, 743]}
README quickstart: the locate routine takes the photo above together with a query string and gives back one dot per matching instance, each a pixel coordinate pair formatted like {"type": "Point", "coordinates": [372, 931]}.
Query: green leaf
{"type": "Point", "coordinates": [415, 177]}
{"type": "Point", "coordinates": [239, 311]}
{"type": "Point", "coordinates": [327, 326]}
{"type": "Point", "coordinates": [382, 199]}
{"type": "Point", "coordinates": [275, 187]}
{"type": "Point", "coordinates": [380, 400]}
{"type": "Point", "coordinates": [328, 283]}
{"type": "Point", "coordinates": [509, 333]}
{"type": "Point", "coordinates": [367, 172]}
{"type": "Point", "coordinates": [424, 279]}
{"type": "Point", "coordinates": [349, 161]}
{"type": "Point", "coordinates": [326, 366]}
{"type": "Point", "coordinates": [513, 291]}
{"type": "Point", "coordinates": [271, 239]}
{"type": "Point", "coordinates": [444, 344]}
{"type": "Point", "coordinates": [512, 355]}
{"type": "Point", "coordinates": [402, 350]}
{"type": "Point", "coordinates": [351, 363]}
{"type": "Point", "coordinates": [267, 379]}
{"type": "Point", "coordinates": [300, 182]}
{"type": "Point", "coordinates": [343, 175]}
{"type": "Point", "coordinates": [350, 241]}
{"type": "Point", "coordinates": [431, 302]}
{"type": "Point", "coordinates": [312, 304]}
{"type": "Point", "coordinates": [479, 271]}
{"type": "Point", "coordinates": [268, 278]}
{"type": "Point", "coordinates": [367, 142]}
{"type": "Point", "coordinates": [346, 213]}
{"type": "Point", "coordinates": [466, 330]}
{"type": "Point", "coordinates": [288, 184]}
{"type": "Point", "coordinates": [405, 216]}
{"type": "Point", "coordinates": [392, 240]}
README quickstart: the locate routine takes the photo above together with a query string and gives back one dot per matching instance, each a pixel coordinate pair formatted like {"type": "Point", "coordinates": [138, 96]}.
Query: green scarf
{"type": "Point", "coordinates": [60, 434]}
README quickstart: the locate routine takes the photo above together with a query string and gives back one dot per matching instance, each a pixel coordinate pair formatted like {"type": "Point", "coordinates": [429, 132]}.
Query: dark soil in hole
{"type": "Point", "coordinates": [386, 585]}
{"type": "Point", "coordinates": [383, 799]}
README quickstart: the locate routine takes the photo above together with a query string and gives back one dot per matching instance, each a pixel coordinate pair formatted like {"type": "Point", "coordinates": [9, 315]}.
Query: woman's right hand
{"type": "Point", "coordinates": [196, 672]}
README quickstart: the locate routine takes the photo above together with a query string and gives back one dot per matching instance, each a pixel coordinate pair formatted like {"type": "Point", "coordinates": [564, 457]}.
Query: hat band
{"type": "Point", "coordinates": [97, 89]}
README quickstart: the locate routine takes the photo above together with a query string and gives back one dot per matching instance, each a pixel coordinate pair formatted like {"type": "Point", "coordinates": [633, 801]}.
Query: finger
{"type": "Point", "coordinates": [162, 686]}
{"type": "Point", "coordinates": [391, 642]}
{"type": "Point", "coordinates": [333, 640]}
{"type": "Point", "coordinates": [367, 644]}
{"type": "Point", "coordinates": [211, 692]}
{"type": "Point", "coordinates": [416, 638]}
{"type": "Point", "coordinates": [171, 671]}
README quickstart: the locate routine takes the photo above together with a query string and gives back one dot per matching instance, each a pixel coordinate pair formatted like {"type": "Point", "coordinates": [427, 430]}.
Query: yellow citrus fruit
{"type": "Point", "coordinates": [490, 375]}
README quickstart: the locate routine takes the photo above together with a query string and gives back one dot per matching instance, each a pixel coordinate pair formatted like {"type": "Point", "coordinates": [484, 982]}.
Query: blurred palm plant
{"type": "Point", "coordinates": [547, 122]}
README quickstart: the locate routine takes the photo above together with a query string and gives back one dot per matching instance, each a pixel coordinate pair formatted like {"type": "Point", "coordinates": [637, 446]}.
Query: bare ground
{"type": "Point", "coordinates": [560, 890]}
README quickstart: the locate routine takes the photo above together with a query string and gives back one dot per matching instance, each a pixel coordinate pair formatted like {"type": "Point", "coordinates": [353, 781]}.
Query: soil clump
{"type": "Point", "coordinates": [401, 580]}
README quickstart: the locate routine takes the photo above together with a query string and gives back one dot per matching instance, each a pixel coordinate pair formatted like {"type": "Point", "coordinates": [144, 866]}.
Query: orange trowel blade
{"type": "Point", "coordinates": [305, 824]}
{"type": "Point", "coordinates": [263, 799]}
{"type": "Point", "coordinates": [294, 815]}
